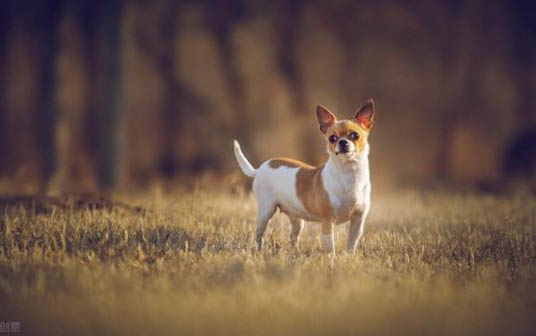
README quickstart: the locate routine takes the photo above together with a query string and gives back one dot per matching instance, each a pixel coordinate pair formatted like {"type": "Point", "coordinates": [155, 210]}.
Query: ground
{"type": "Point", "coordinates": [430, 262]}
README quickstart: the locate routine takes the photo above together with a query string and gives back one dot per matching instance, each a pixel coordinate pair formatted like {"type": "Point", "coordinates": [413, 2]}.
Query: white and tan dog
{"type": "Point", "coordinates": [335, 192]}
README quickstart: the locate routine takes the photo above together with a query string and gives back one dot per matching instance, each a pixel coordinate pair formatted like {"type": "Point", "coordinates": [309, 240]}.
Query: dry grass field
{"type": "Point", "coordinates": [430, 263]}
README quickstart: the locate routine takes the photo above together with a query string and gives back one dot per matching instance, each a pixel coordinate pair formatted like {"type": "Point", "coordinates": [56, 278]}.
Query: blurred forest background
{"type": "Point", "coordinates": [96, 95]}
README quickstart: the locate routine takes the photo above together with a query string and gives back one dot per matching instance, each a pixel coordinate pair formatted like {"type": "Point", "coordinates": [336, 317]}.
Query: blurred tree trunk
{"type": "Point", "coordinates": [451, 36]}
{"type": "Point", "coordinates": [101, 27]}
{"type": "Point", "coordinates": [88, 24]}
{"type": "Point", "coordinates": [46, 27]}
{"type": "Point", "coordinates": [111, 88]}
{"type": "Point", "coordinates": [5, 24]}
{"type": "Point", "coordinates": [289, 20]}
{"type": "Point", "coordinates": [524, 50]}
{"type": "Point", "coordinates": [157, 40]}
{"type": "Point", "coordinates": [347, 23]}
{"type": "Point", "coordinates": [167, 61]}
{"type": "Point", "coordinates": [221, 17]}
{"type": "Point", "coordinates": [463, 55]}
{"type": "Point", "coordinates": [520, 155]}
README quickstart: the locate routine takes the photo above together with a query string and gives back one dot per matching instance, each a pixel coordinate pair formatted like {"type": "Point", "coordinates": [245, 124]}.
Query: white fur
{"type": "Point", "coordinates": [346, 181]}
{"type": "Point", "coordinates": [278, 185]}
{"type": "Point", "coordinates": [244, 164]}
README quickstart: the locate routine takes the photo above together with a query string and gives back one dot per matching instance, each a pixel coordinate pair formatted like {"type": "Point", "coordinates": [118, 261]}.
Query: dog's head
{"type": "Point", "coordinates": [347, 139]}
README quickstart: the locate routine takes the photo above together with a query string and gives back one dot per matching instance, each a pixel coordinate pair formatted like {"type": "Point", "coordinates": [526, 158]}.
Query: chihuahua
{"type": "Point", "coordinates": [335, 192]}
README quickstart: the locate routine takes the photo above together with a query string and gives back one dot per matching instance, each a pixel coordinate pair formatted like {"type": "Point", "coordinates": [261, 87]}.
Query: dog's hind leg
{"type": "Point", "coordinates": [265, 212]}
{"type": "Point", "coordinates": [297, 226]}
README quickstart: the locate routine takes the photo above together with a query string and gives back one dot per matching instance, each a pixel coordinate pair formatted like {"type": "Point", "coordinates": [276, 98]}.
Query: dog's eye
{"type": "Point", "coordinates": [354, 136]}
{"type": "Point", "coordinates": [333, 138]}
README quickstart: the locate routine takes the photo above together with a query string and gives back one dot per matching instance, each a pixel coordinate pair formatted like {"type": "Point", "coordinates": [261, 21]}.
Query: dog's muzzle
{"type": "Point", "coordinates": [344, 146]}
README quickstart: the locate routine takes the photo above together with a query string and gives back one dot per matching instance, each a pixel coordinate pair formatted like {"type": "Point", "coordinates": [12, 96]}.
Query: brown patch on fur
{"type": "Point", "coordinates": [287, 162]}
{"type": "Point", "coordinates": [311, 192]}
{"type": "Point", "coordinates": [309, 186]}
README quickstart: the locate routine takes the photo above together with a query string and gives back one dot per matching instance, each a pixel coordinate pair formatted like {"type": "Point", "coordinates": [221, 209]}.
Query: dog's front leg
{"type": "Point", "coordinates": [357, 223]}
{"type": "Point", "coordinates": [328, 237]}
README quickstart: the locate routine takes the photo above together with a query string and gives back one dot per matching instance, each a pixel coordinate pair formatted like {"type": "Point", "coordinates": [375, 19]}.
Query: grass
{"type": "Point", "coordinates": [437, 263]}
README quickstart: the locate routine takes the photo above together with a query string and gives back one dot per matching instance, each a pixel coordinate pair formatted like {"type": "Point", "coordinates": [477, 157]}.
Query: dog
{"type": "Point", "coordinates": [333, 193]}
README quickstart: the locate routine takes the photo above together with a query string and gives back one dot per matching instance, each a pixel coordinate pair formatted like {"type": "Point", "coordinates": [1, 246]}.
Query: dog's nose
{"type": "Point", "coordinates": [343, 146]}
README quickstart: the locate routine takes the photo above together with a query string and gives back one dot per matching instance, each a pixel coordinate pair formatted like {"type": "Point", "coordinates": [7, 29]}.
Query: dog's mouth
{"type": "Point", "coordinates": [343, 151]}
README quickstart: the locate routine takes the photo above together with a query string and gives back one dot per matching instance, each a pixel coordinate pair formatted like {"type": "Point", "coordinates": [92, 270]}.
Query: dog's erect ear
{"type": "Point", "coordinates": [325, 118]}
{"type": "Point", "coordinates": [365, 115]}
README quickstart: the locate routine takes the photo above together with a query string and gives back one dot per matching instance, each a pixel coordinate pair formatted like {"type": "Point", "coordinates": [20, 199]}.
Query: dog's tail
{"type": "Point", "coordinates": [244, 164]}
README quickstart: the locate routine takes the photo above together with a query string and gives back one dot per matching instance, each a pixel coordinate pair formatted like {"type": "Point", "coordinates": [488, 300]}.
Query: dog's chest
{"type": "Point", "coordinates": [347, 193]}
